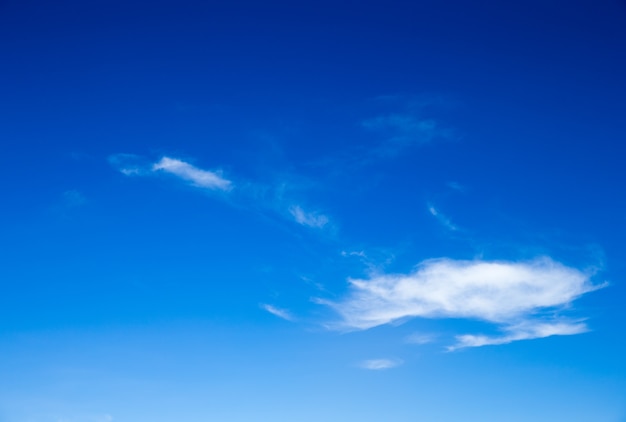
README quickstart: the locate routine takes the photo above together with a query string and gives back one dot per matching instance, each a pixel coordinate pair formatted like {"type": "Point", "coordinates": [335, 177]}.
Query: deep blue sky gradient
{"type": "Point", "coordinates": [141, 297]}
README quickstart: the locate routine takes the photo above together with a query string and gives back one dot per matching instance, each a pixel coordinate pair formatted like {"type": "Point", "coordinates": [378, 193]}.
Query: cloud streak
{"type": "Point", "coordinates": [310, 219]}
{"type": "Point", "coordinates": [527, 330]}
{"type": "Point", "coordinates": [280, 313]}
{"type": "Point", "coordinates": [248, 194]}
{"type": "Point", "coordinates": [198, 177]}
{"type": "Point", "coordinates": [403, 130]}
{"type": "Point", "coordinates": [445, 221]}
{"type": "Point", "coordinates": [511, 295]}
{"type": "Point", "coordinates": [380, 364]}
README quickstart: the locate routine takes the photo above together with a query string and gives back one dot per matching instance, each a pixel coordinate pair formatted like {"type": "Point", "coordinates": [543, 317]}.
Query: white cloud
{"type": "Point", "coordinates": [310, 219]}
{"type": "Point", "coordinates": [445, 221]}
{"type": "Point", "coordinates": [198, 177]}
{"type": "Point", "coordinates": [526, 330]}
{"type": "Point", "coordinates": [509, 294]}
{"type": "Point", "coordinates": [280, 313]}
{"type": "Point", "coordinates": [250, 194]}
{"type": "Point", "coordinates": [378, 364]}
{"type": "Point", "coordinates": [129, 164]}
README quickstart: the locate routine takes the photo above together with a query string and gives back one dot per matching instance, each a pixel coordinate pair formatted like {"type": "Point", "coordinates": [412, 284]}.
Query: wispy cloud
{"type": "Point", "coordinates": [73, 198]}
{"type": "Point", "coordinates": [129, 164]}
{"type": "Point", "coordinates": [310, 219]}
{"type": "Point", "coordinates": [456, 186]}
{"type": "Point", "coordinates": [526, 330]}
{"type": "Point", "coordinates": [198, 177]}
{"type": "Point", "coordinates": [445, 221]}
{"type": "Point", "coordinates": [272, 198]}
{"type": "Point", "coordinates": [402, 130]}
{"type": "Point", "coordinates": [379, 364]}
{"type": "Point", "coordinates": [508, 294]}
{"type": "Point", "coordinates": [420, 338]}
{"type": "Point", "coordinates": [280, 313]}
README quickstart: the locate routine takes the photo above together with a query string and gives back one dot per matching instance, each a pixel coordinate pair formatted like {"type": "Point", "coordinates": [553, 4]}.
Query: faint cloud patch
{"type": "Point", "coordinates": [73, 198]}
{"type": "Point", "coordinates": [280, 313]}
{"type": "Point", "coordinates": [404, 130]}
{"type": "Point", "coordinates": [456, 186]}
{"type": "Point", "coordinates": [380, 364]}
{"type": "Point", "coordinates": [310, 219]}
{"type": "Point", "coordinates": [130, 164]}
{"type": "Point", "coordinates": [445, 221]}
{"type": "Point", "coordinates": [420, 338]}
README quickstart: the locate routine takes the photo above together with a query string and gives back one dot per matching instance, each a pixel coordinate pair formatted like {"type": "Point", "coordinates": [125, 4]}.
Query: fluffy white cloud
{"type": "Point", "coordinates": [198, 177]}
{"type": "Point", "coordinates": [280, 313]}
{"type": "Point", "coordinates": [378, 364]}
{"type": "Point", "coordinates": [308, 218]}
{"type": "Point", "coordinates": [508, 294]}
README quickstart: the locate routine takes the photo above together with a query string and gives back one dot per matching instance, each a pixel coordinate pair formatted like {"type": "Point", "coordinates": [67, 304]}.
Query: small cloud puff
{"type": "Point", "coordinates": [310, 219]}
{"type": "Point", "coordinates": [508, 294]}
{"type": "Point", "coordinates": [379, 364]}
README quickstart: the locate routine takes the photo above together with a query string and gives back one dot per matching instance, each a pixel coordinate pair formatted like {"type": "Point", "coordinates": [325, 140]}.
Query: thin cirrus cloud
{"type": "Point", "coordinates": [380, 364]}
{"type": "Point", "coordinates": [198, 177]}
{"type": "Point", "coordinates": [510, 295]}
{"type": "Point", "coordinates": [310, 219]}
{"type": "Point", "coordinates": [403, 130]}
{"type": "Point", "coordinates": [445, 221]}
{"type": "Point", "coordinates": [280, 313]}
{"type": "Point", "coordinates": [526, 330]}
{"type": "Point", "coordinates": [134, 165]}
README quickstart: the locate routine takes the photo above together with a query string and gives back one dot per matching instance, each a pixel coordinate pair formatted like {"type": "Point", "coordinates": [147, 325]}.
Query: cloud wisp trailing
{"type": "Point", "coordinates": [445, 221]}
{"type": "Point", "coordinates": [380, 364]}
{"type": "Point", "coordinates": [511, 295]}
{"type": "Point", "coordinates": [404, 130]}
{"type": "Point", "coordinates": [198, 177]}
{"type": "Point", "coordinates": [280, 313]}
{"type": "Point", "coordinates": [310, 219]}
{"type": "Point", "coordinates": [526, 330]}
{"type": "Point", "coordinates": [248, 194]}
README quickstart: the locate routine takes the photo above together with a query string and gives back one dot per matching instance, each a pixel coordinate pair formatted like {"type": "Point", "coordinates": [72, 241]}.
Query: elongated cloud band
{"type": "Point", "coordinates": [509, 294]}
{"type": "Point", "coordinates": [280, 313]}
{"type": "Point", "coordinates": [198, 177]}
{"type": "Point", "coordinates": [380, 364]}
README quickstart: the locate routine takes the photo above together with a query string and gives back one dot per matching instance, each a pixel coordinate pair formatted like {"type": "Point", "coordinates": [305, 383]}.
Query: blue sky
{"type": "Point", "coordinates": [373, 211]}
